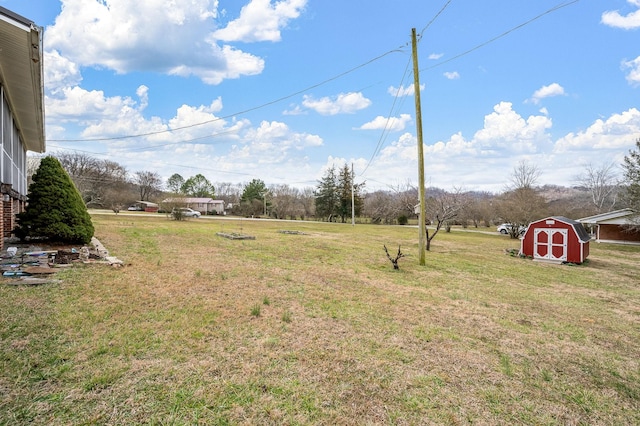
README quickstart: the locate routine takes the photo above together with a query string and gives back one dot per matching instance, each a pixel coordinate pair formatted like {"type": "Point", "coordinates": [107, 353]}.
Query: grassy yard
{"type": "Point", "coordinates": [317, 328]}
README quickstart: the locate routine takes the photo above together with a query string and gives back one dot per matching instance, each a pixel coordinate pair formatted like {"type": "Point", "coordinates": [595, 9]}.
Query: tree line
{"type": "Point", "coordinates": [599, 188]}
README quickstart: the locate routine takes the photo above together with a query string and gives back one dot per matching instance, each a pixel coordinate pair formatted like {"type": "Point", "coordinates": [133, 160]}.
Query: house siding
{"type": "Point", "coordinates": [14, 154]}
{"type": "Point", "coordinates": [13, 178]}
{"type": "Point", "coordinates": [21, 111]}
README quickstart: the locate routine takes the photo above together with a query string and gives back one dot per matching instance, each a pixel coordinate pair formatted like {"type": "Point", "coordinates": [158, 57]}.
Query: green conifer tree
{"type": "Point", "coordinates": [55, 209]}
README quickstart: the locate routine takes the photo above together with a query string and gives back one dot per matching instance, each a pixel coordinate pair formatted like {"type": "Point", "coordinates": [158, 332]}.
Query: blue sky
{"type": "Point", "coordinates": [281, 90]}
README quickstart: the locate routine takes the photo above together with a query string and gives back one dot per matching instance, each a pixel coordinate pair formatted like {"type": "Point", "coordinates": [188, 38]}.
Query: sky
{"type": "Point", "coordinates": [282, 90]}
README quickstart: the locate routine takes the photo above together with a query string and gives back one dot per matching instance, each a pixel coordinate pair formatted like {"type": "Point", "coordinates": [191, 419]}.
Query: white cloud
{"type": "Point", "coordinates": [344, 103]}
{"type": "Point", "coordinates": [628, 22]}
{"type": "Point", "coordinates": [603, 135]}
{"type": "Point", "coordinates": [481, 162]}
{"type": "Point", "coordinates": [100, 116]}
{"type": "Point", "coordinates": [295, 110]}
{"type": "Point", "coordinates": [387, 123]}
{"type": "Point", "coordinates": [634, 74]}
{"type": "Point", "coordinates": [273, 145]}
{"type": "Point", "coordinates": [236, 64]}
{"type": "Point", "coordinates": [261, 21]}
{"type": "Point", "coordinates": [188, 115]}
{"type": "Point", "coordinates": [504, 129]}
{"type": "Point", "coordinates": [176, 38]}
{"type": "Point", "coordinates": [454, 75]}
{"type": "Point", "coordinates": [436, 56]}
{"type": "Point", "coordinates": [77, 104]}
{"type": "Point", "coordinates": [404, 90]}
{"type": "Point", "coordinates": [59, 72]}
{"type": "Point", "coordinates": [219, 148]}
{"type": "Point", "coordinates": [554, 89]}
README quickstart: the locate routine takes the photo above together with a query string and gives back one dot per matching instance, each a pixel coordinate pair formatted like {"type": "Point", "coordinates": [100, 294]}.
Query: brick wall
{"type": "Point", "coordinates": [8, 217]}
{"type": "Point", "coordinates": [618, 233]}
{"type": "Point", "coordinates": [2, 223]}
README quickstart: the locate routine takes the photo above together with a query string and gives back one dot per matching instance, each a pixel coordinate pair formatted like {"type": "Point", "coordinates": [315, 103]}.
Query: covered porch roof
{"type": "Point", "coordinates": [616, 217]}
{"type": "Point", "coordinates": [21, 76]}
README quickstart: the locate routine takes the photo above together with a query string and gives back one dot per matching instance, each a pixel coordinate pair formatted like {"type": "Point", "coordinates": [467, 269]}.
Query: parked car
{"type": "Point", "coordinates": [506, 227]}
{"type": "Point", "coordinates": [134, 208]}
{"type": "Point", "coordinates": [187, 212]}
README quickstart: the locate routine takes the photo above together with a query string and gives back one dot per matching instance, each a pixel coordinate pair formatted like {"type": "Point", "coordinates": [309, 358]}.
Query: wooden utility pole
{"type": "Point", "coordinates": [353, 198]}
{"type": "Point", "coordinates": [422, 231]}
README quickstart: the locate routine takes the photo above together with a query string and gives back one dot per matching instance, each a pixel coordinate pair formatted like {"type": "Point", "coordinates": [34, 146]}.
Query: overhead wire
{"type": "Point", "coordinates": [242, 112]}
{"type": "Point", "coordinates": [384, 132]}
{"type": "Point", "coordinates": [517, 27]}
{"type": "Point", "coordinates": [437, 15]}
{"type": "Point", "coordinates": [479, 46]}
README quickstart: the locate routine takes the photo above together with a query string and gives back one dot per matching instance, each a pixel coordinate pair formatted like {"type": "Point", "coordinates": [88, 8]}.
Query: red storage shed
{"type": "Point", "coordinates": [556, 239]}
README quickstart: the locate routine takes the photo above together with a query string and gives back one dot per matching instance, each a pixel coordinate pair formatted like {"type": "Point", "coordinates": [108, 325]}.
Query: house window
{"type": "Point", "coordinates": [13, 155]}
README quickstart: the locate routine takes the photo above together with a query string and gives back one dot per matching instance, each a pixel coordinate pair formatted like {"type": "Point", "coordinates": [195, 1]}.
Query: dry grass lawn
{"type": "Point", "coordinates": [317, 328]}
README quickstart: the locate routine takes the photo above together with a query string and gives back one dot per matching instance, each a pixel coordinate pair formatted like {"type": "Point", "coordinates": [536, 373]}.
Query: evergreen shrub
{"type": "Point", "coordinates": [55, 209]}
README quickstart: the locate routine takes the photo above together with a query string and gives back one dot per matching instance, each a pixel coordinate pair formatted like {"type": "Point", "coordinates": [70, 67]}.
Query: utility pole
{"type": "Point", "coordinates": [353, 198]}
{"type": "Point", "coordinates": [422, 232]}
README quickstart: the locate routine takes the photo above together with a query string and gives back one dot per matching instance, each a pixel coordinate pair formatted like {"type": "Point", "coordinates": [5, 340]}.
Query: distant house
{"type": "Point", "coordinates": [146, 206]}
{"type": "Point", "coordinates": [612, 227]}
{"type": "Point", "coordinates": [21, 110]}
{"type": "Point", "coordinates": [556, 239]}
{"type": "Point", "coordinates": [203, 205]}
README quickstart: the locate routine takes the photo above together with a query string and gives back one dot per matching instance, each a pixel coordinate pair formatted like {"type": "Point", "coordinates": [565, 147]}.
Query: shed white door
{"type": "Point", "coordinates": [550, 244]}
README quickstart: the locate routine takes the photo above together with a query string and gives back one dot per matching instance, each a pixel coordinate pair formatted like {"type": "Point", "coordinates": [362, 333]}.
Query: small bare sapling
{"type": "Point", "coordinates": [397, 258]}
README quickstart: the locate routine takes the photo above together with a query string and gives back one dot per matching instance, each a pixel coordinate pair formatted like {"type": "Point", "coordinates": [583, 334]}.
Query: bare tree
{"type": "Point", "coordinates": [520, 204]}
{"type": "Point", "coordinates": [524, 175]}
{"type": "Point", "coordinates": [519, 207]}
{"type": "Point", "coordinates": [396, 204]}
{"type": "Point", "coordinates": [96, 179]}
{"type": "Point", "coordinates": [478, 210]}
{"type": "Point", "coordinates": [394, 260]}
{"type": "Point", "coordinates": [285, 202]}
{"type": "Point", "coordinates": [149, 184]}
{"type": "Point", "coordinates": [308, 199]}
{"type": "Point", "coordinates": [405, 197]}
{"type": "Point", "coordinates": [442, 208]}
{"type": "Point", "coordinates": [33, 162]}
{"type": "Point", "coordinates": [602, 184]}
{"type": "Point", "coordinates": [380, 207]}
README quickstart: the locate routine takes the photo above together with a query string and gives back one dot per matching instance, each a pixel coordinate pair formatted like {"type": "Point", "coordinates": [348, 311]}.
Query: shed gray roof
{"type": "Point", "coordinates": [582, 233]}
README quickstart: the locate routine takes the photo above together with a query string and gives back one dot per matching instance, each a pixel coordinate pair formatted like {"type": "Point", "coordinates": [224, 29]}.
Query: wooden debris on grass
{"type": "Point", "coordinates": [30, 266]}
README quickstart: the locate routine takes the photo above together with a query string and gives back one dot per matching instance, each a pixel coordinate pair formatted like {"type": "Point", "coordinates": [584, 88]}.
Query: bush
{"type": "Point", "coordinates": [55, 210]}
{"type": "Point", "coordinates": [403, 220]}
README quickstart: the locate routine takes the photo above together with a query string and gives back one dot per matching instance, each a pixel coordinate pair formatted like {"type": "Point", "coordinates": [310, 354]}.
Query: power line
{"type": "Point", "coordinates": [299, 92]}
{"type": "Point", "coordinates": [434, 18]}
{"type": "Point", "coordinates": [517, 27]}
{"type": "Point", "coordinates": [385, 132]}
